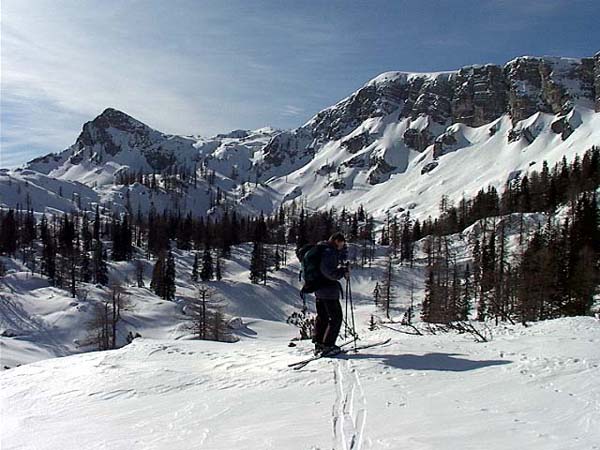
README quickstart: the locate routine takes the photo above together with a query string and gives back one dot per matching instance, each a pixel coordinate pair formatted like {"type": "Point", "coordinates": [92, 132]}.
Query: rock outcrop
{"type": "Point", "coordinates": [473, 95]}
{"type": "Point", "coordinates": [113, 132]}
{"type": "Point", "coordinates": [480, 95]}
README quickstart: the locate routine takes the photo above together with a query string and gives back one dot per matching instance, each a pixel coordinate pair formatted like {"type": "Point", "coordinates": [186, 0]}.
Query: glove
{"type": "Point", "coordinates": [347, 273]}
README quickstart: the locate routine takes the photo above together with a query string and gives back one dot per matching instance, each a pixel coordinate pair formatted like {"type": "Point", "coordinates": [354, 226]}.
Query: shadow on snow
{"type": "Point", "coordinates": [430, 361]}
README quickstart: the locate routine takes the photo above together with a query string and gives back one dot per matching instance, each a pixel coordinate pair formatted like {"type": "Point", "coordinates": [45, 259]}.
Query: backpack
{"type": "Point", "coordinates": [310, 259]}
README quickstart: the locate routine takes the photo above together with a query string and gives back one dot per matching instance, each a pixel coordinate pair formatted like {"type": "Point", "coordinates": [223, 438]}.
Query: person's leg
{"type": "Point", "coordinates": [321, 322]}
{"type": "Point", "coordinates": [335, 318]}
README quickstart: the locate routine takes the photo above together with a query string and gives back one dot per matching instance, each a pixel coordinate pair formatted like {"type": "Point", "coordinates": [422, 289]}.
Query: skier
{"type": "Point", "coordinates": [329, 311]}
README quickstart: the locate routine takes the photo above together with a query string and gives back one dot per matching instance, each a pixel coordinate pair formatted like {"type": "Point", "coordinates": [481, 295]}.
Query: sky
{"type": "Point", "coordinates": [207, 67]}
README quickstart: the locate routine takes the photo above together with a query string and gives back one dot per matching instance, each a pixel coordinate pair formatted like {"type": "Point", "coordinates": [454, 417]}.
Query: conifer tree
{"type": "Point", "coordinates": [86, 235]}
{"type": "Point", "coordinates": [377, 295]}
{"type": "Point", "coordinates": [127, 238]}
{"type": "Point", "coordinates": [256, 263]}
{"type": "Point", "coordinates": [407, 241]}
{"type": "Point", "coordinates": [96, 229]}
{"type": "Point", "coordinates": [184, 233]}
{"type": "Point", "coordinates": [464, 304]}
{"type": "Point", "coordinates": [301, 236]}
{"type": "Point", "coordinates": [157, 284]}
{"type": "Point", "coordinates": [500, 302]}
{"type": "Point", "coordinates": [207, 265]}
{"type": "Point", "coordinates": [8, 239]}
{"type": "Point", "coordinates": [584, 255]}
{"type": "Point", "coordinates": [387, 288]}
{"type": "Point", "coordinates": [408, 315]}
{"type": "Point", "coordinates": [85, 270]}
{"type": "Point", "coordinates": [277, 258]}
{"type": "Point", "coordinates": [218, 269]}
{"type": "Point", "coordinates": [139, 273]}
{"type": "Point", "coordinates": [118, 250]}
{"type": "Point", "coordinates": [99, 268]}
{"type": "Point", "coordinates": [453, 304]}
{"type": "Point", "coordinates": [430, 299]}
{"type": "Point", "coordinates": [531, 288]}
{"type": "Point", "coordinates": [169, 278]}
{"type": "Point", "coordinates": [372, 324]}
{"type": "Point", "coordinates": [200, 312]}
{"type": "Point", "coordinates": [48, 251]}
{"type": "Point", "coordinates": [29, 232]}
{"type": "Point", "coordinates": [195, 268]}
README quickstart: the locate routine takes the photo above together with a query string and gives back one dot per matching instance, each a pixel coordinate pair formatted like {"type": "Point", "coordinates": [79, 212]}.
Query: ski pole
{"type": "Point", "coordinates": [352, 312]}
{"type": "Point", "coordinates": [346, 326]}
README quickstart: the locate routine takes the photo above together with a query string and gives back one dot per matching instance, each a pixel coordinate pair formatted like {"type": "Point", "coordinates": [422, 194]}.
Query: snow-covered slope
{"type": "Point", "coordinates": [535, 388]}
{"type": "Point", "coordinates": [404, 140]}
{"type": "Point", "coordinates": [39, 321]}
{"type": "Point", "coordinates": [474, 158]}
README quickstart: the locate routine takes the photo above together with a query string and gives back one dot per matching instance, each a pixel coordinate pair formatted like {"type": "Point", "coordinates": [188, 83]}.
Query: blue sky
{"type": "Point", "coordinates": [204, 67]}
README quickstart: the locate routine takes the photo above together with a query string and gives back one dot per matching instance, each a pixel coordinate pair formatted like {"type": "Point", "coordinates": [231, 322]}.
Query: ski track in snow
{"type": "Point", "coordinates": [14, 315]}
{"type": "Point", "coordinates": [349, 411]}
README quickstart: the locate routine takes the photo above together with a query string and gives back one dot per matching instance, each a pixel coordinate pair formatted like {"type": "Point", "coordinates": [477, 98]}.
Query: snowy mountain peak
{"type": "Point", "coordinates": [117, 119]}
{"type": "Point", "coordinates": [398, 126]}
{"type": "Point", "coordinates": [406, 77]}
{"type": "Point", "coordinates": [235, 134]}
{"type": "Point", "coordinates": [108, 130]}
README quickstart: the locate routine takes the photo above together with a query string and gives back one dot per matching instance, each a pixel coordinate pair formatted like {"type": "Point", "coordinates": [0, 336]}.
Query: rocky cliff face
{"type": "Point", "coordinates": [473, 95]}
{"type": "Point", "coordinates": [114, 132]}
{"type": "Point", "coordinates": [97, 131]}
{"type": "Point", "coordinates": [550, 85]}
{"type": "Point", "coordinates": [480, 95]}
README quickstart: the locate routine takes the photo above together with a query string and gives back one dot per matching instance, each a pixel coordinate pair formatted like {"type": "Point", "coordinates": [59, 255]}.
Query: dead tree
{"type": "Point", "coordinates": [206, 316]}
{"type": "Point", "coordinates": [106, 316]}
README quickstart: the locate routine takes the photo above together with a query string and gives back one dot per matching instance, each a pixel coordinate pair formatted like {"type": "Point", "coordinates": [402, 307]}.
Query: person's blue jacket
{"type": "Point", "coordinates": [330, 269]}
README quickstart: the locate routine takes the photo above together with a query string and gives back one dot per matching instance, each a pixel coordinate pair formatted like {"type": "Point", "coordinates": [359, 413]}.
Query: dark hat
{"type": "Point", "coordinates": [337, 236]}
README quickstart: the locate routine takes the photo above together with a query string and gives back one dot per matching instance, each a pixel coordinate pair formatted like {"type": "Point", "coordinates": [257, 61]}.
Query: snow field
{"type": "Point", "coordinates": [534, 387]}
{"type": "Point", "coordinates": [531, 386]}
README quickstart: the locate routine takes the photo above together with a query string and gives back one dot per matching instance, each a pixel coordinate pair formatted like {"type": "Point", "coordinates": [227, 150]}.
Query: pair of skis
{"type": "Point", "coordinates": [345, 348]}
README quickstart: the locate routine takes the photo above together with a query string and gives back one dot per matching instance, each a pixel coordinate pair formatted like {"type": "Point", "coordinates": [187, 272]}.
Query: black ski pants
{"type": "Point", "coordinates": [328, 322]}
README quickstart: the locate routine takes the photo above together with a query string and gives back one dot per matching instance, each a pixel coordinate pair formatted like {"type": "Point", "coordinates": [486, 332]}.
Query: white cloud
{"type": "Point", "coordinates": [291, 110]}
{"type": "Point", "coordinates": [81, 58]}
{"type": "Point", "coordinates": [86, 80]}
{"type": "Point", "coordinates": [185, 68]}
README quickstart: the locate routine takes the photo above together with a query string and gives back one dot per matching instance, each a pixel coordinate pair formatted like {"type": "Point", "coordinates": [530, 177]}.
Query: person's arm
{"type": "Point", "coordinates": [329, 267]}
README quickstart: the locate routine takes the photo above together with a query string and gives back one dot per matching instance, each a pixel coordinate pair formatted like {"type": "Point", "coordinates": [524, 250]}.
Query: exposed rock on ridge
{"type": "Point", "coordinates": [473, 95]}
{"type": "Point", "coordinates": [114, 131]}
